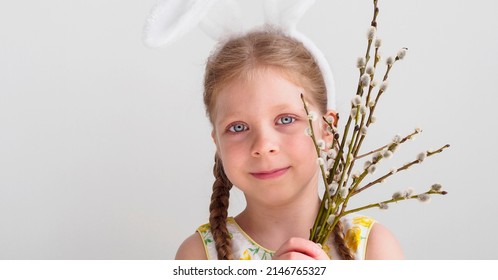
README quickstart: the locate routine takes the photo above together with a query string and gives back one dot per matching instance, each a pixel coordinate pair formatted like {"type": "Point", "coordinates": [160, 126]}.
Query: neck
{"type": "Point", "coordinates": [270, 226]}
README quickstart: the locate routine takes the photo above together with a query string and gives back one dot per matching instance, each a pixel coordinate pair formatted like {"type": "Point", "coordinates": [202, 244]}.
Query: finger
{"type": "Point", "coordinates": [293, 256]}
{"type": "Point", "coordinates": [302, 246]}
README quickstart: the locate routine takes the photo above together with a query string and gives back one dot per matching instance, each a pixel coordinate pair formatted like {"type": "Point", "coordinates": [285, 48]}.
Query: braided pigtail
{"type": "Point", "coordinates": [343, 250]}
{"type": "Point", "coordinates": [218, 211]}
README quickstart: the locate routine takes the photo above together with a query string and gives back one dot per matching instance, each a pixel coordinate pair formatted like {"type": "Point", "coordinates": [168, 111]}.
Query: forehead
{"type": "Point", "coordinates": [263, 91]}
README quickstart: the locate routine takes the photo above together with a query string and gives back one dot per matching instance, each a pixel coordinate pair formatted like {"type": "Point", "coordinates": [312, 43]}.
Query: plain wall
{"type": "Point", "coordinates": [105, 150]}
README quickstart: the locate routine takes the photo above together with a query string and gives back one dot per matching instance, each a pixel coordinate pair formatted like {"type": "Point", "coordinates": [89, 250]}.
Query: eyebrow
{"type": "Point", "coordinates": [283, 107]}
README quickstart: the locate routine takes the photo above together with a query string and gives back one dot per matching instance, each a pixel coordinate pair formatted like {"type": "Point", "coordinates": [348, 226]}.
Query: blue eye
{"type": "Point", "coordinates": [286, 120]}
{"type": "Point", "coordinates": [237, 128]}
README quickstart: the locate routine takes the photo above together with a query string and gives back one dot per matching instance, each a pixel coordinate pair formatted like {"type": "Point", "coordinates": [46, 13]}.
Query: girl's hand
{"type": "Point", "coordinates": [300, 249]}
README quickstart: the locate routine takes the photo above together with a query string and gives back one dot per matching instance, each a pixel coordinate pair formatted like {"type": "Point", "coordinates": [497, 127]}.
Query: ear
{"type": "Point", "coordinates": [327, 136]}
{"type": "Point", "coordinates": [332, 114]}
{"type": "Point", "coordinates": [215, 139]}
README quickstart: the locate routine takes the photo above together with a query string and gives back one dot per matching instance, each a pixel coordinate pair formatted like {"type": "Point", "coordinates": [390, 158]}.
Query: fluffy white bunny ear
{"type": "Point", "coordinates": [222, 20]}
{"type": "Point", "coordinates": [286, 13]}
{"type": "Point", "coordinates": [171, 19]}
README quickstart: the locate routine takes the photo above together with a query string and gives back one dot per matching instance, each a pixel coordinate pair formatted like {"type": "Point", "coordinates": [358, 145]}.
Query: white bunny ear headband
{"type": "Point", "coordinates": [171, 19]}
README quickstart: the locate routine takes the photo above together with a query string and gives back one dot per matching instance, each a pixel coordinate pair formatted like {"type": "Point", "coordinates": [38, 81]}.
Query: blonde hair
{"type": "Point", "coordinates": [235, 60]}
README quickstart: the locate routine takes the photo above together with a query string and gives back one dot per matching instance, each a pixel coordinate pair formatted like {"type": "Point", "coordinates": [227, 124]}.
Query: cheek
{"type": "Point", "coordinates": [231, 155]}
{"type": "Point", "coordinates": [302, 147]}
{"type": "Point", "coordinates": [307, 147]}
{"type": "Point", "coordinates": [235, 170]}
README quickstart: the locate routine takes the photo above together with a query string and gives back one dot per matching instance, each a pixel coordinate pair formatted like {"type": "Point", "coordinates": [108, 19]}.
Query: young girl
{"type": "Point", "coordinates": [253, 85]}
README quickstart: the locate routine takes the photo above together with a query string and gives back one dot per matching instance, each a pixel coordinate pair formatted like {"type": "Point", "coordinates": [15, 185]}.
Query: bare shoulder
{"type": "Point", "coordinates": [192, 249]}
{"type": "Point", "coordinates": [382, 245]}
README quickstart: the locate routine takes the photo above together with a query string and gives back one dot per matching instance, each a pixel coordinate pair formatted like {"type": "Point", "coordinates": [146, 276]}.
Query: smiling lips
{"type": "Point", "coordinates": [264, 175]}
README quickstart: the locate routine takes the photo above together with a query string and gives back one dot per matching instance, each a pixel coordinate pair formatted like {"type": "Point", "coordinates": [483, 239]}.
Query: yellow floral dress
{"type": "Point", "coordinates": [356, 230]}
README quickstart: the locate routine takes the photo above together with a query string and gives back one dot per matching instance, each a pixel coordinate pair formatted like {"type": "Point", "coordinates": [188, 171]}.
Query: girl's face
{"type": "Point", "coordinates": [259, 132]}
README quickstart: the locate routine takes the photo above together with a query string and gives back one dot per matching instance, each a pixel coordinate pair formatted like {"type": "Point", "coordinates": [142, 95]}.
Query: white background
{"type": "Point", "coordinates": [105, 150]}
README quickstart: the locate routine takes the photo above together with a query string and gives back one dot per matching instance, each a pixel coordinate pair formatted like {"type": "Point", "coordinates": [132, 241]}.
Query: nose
{"type": "Point", "coordinates": [265, 143]}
